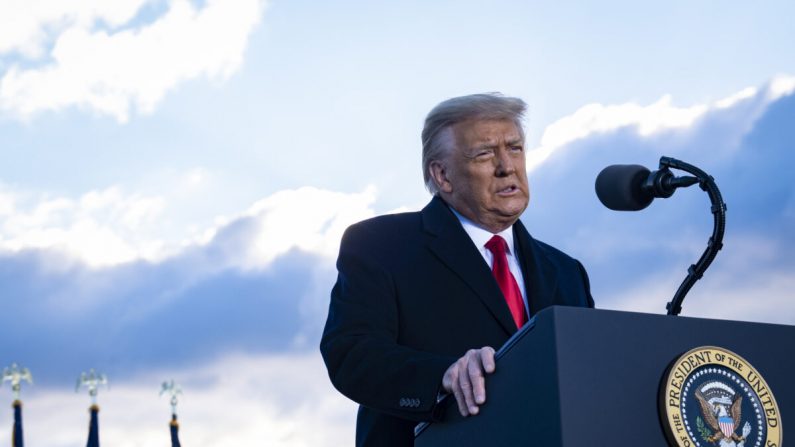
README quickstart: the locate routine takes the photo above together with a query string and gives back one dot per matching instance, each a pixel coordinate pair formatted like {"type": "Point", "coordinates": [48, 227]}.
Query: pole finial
{"type": "Point", "coordinates": [91, 380]}
{"type": "Point", "coordinates": [173, 389]}
{"type": "Point", "coordinates": [16, 375]}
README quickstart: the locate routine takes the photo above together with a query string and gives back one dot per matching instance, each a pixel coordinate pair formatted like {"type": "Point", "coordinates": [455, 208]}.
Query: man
{"type": "Point", "coordinates": [423, 299]}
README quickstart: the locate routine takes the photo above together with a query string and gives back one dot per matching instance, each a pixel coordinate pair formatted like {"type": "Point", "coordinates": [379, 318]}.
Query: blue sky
{"type": "Point", "coordinates": [175, 177]}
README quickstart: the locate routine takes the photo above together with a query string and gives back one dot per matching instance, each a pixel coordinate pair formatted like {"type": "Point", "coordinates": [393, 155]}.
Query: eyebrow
{"type": "Point", "coordinates": [492, 144]}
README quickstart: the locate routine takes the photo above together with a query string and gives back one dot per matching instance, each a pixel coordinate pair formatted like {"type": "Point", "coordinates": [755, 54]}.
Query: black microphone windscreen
{"type": "Point", "coordinates": [619, 187]}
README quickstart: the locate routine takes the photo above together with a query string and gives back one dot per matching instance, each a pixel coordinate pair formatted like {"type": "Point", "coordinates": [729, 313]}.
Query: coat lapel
{"type": "Point", "coordinates": [540, 274]}
{"type": "Point", "coordinates": [453, 247]}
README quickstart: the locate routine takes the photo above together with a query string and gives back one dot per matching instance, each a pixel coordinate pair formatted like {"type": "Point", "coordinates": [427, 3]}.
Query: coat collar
{"type": "Point", "coordinates": [454, 248]}
{"type": "Point", "coordinates": [540, 274]}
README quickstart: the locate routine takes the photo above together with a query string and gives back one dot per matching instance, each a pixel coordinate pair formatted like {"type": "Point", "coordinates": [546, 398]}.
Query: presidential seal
{"type": "Point", "coordinates": [713, 397]}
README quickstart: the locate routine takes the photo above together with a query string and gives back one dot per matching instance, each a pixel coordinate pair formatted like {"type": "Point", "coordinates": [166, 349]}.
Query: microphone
{"type": "Point", "coordinates": [633, 187]}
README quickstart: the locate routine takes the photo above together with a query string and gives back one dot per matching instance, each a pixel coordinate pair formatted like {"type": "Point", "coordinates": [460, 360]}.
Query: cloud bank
{"type": "Point", "coordinates": [637, 260]}
{"type": "Point", "coordinates": [108, 227]}
{"type": "Point", "coordinates": [226, 293]}
{"type": "Point", "coordinates": [235, 311]}
{"type": "Point", "coordinates": [107, 58]}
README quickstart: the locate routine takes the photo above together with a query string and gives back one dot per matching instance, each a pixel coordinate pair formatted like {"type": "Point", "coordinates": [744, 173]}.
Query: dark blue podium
{"type": "Point", "coordinates": [585, 377]}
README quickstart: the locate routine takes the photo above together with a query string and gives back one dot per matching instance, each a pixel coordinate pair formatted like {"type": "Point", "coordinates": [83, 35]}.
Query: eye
{"type": "Point", "coordinates": [483, 154]}
{"type": "Point", "coordinates": [516, 148]}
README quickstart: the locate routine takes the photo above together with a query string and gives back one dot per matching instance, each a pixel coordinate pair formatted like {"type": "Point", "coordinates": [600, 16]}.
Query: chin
{"type": "Point", "coordinates": [514, 208]}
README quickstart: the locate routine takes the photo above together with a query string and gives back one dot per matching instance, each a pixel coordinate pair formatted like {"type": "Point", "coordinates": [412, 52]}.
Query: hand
{"type": "Point", "coordinates": [466, 379]}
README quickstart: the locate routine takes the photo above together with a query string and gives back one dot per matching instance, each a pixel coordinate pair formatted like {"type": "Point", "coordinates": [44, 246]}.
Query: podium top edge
{"type": "Point", "coordinates": [554, 310]}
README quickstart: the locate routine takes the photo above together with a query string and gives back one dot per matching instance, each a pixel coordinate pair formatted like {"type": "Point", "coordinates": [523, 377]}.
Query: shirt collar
{"type": "Point", "coordinates": [480, 236]}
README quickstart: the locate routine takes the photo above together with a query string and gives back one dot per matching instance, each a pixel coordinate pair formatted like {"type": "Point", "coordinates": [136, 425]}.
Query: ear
{"type": "Point", "coordinates": [438, 173]}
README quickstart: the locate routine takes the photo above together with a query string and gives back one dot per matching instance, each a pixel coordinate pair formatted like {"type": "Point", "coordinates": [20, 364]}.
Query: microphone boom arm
{"type": "Point", "coordinates": [715, 243]}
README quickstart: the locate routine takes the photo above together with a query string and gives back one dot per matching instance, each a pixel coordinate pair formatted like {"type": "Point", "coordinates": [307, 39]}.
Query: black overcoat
{"type": "Point", "coordinates": [413, 294]}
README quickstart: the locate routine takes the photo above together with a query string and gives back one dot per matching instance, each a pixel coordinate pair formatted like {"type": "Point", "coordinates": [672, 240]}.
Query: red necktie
{"type": "Point", "coordinates": [510, 289]}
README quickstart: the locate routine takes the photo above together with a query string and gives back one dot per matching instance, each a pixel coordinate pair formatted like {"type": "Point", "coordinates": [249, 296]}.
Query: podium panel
{"type": "Point", "coordinates": [586, 377]}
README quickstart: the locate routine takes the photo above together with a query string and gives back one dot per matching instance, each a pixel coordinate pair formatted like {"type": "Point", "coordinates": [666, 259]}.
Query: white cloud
{"type": "Point", "coordinates": [598, 118]}
{"type": "Point", "coordinates": [308, 219]}
{"type": "Point", "coordinates": [25, 25]}
{"type": "Point", "coordinates": [781, 85]}
{"type": "Point", "coordinates": [6, 203]}
{"type": "Point", "coordinates": [114, 72]}
{"type": "Point", "coordinates": [284, 400]}
{"type": "Point", "coordinates": [109, 227]}
{"type": "Point", "coordinates": [660, 116]}
{"type": "Point", "coordinates": [100, 228]}
{"type": "Point", "coordinates": [742, 95]}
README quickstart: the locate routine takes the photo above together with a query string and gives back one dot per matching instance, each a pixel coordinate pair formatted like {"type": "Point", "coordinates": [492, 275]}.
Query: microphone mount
{"type": "Point", "coordinates": [664, 182]}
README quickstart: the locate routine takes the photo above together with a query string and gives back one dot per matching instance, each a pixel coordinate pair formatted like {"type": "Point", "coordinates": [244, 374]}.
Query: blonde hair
{"type": "Point", "coordinates": [480, 106]}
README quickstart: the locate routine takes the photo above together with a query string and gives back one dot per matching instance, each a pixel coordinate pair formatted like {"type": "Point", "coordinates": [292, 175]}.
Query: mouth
{"type": "Point", "coordinates": [508, 190]}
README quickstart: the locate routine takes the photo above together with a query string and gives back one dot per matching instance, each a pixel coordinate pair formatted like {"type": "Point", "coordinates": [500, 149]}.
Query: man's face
{"type": "Point", "coordinates": [484, 177]}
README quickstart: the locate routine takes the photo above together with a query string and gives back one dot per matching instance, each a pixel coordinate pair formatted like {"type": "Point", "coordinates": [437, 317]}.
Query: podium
{"type": "Point", "coordinates": [586, 377]}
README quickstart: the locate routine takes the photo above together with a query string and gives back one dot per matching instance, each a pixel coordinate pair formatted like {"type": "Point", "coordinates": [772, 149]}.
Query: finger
{"type": "Point", "coordinates": [487, 359]}
{"type": "Point", "coordinates": [450, 384]}
{"type": "Point", "coordinates": [459, 397]}
{"type": "Point", "coordinates": [475, 373]}
{"type": "Point", "coordinates": [462, 406]}
{"type": "Point", "coordinates": [466, 389]}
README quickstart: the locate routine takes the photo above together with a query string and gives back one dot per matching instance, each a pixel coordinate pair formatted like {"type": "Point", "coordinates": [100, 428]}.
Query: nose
{"type": "Point", "coordinates": [505, 164]}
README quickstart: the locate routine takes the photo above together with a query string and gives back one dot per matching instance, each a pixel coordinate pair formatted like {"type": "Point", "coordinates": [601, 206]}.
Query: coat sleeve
{"type": "Point", "coordinates": [586, 286]}
{"type": "Point", "coordinates": [360, 341]}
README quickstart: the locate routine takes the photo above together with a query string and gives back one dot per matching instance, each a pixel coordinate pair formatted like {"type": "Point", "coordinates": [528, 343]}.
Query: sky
{"type": "Point", "coordinates": [175, 177]}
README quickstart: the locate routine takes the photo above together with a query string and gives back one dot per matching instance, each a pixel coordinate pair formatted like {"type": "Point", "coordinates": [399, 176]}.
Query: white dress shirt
{"type": "Point", "coordinates": [480, 237]}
